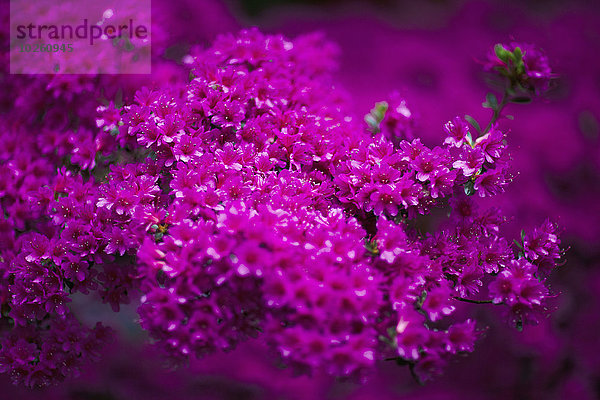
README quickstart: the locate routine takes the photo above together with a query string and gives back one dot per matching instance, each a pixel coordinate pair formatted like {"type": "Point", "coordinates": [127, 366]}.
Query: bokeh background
{"type": "Point", "coordinates": [429, 51]}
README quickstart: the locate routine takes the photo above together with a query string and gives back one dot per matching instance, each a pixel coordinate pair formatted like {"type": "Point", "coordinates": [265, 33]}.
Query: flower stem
{"type": "Point", "coordinates": [414, 375]}
{"type": "Point", "coordinates": [497, 111]}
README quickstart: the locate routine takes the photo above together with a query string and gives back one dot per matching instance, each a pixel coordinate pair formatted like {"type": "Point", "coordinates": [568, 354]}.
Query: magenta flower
{"type": "Point", "coordinates": [74, 267]}
{"type": "Point", "coordinates": [469, 280]}
{"type": "Point", "coordinates": [385, 199]}
{"type": "Point", "coordinates": [411, 334]}
{"type": "Point", "coordinates": [457, 131]}
{"type": "Point", "coordinates": [187, 148]}
{"type": "Point", "coordinates": [148, 134]}
{"type": "Point", "coordinates": [491, 144]}
{"type": "Point", "coordinates": [537, 67]}
{"type": "Point", "coordinates": [442, 183]}
{"type": "Point", "coordinates": [118, 242]}
{"type": "Point", "coordinates": [470, 162]}
{"type": "Point", "coordinates": [170, 128]}
{"type": "Point", "coordinates": [411, 150]}
{"type": "Point", "coordinates": [532, 292]}
{"type": "Point", "coordinates": [461, 337]}
{"type": "Point", "coordinates": [38, 248]}
{"type": "Point", "coordinates": [490, 183]}
{"type": "Point", "coordinates": [437, 303]}
{"type": "Point", "coordinates": [426, 164]}
{"type": "Point", "coordinates": [84, 149]}
{"type": "Point", "coordinates": [494, 254]}
{"type": "Point", "coordinates": [121, 198]}
{"type": "Point", "coordinates": [504, 288]}
{"type": "Point", "coordinates": [542, 242]}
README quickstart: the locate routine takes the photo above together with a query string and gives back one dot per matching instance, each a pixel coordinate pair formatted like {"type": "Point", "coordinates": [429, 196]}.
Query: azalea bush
{"type": "Point", "coordinates": [237, 198]}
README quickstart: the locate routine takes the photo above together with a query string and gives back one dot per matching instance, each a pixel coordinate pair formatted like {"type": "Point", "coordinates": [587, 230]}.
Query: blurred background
{"type": "Point", "coordinates": [429, 51]}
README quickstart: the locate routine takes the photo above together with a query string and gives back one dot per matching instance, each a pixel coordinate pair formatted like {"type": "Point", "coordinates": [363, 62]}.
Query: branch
{"type": "Point", "coordinates": [473, 301]}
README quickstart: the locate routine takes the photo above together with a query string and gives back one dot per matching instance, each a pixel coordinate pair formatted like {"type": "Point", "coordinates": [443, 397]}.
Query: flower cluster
{"type": "Point", "coordinates": [523, 64]}
{"type": "Point", "coordinates": [521, 285]}
{"type": "Point", "coordinates": [45, 354]}
{"type": "Point", "coordinates": [54, 242]}
{"type": "Point", "coordinates": [376, 176]}
{"type": "Point", "coordinates": [247, 203]}
{"type": "Point", "coordinates": [265, 179]}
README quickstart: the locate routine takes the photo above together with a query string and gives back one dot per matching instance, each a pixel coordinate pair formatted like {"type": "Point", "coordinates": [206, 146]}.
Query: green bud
{"type": "Point", "coordinates": [518, 54]}
{"type": "Point", "coordinates": [502, 53]}
{"type": "Point", "coordinates": [377, 114]}
{"type": "Point", "coordinates": [380, 110]}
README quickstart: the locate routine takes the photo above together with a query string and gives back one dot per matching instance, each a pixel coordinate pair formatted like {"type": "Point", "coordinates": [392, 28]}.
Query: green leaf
{"type": "Point", "coordinates": [470, 140]}
{"type": "Point", "coordinates": [371, 122]}
{"type": "Point", "coordinates": [492, 100]}
{"type": "Point", "coordinates": [474, 123]}
{"type": "Point", "coordinates": [469, 188]}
